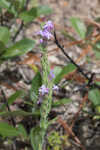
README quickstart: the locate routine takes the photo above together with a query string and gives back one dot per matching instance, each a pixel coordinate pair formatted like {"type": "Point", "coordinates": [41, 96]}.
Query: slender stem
{"type": "Point", "coordinates": [62, 49]}
{"type": "Point", "coordinates": [5, 100]}
{"type": "Point", "coordinates": [18, 31]}
{"type": "Point", "coordinates": [90, 79]}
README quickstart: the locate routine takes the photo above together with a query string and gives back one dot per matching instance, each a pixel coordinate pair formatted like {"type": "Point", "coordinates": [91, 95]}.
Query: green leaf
{"type": "Point", "coordinates": [97, 45]}
{"type": "Point", "coordinates": [22, 131]}
{"type": "Point", "coordinates": [34, 2]}
{"type": "Point", "coordinates": [0, 10]}
{"type": "Point", "coordinates": [68, 36]}
{"type": "Point", "coordinates": [22, 3]}
{"type": "Point", "coordinates": [44, 10]}
{"type": "Point", "coordinates": [34, 12]}
{"type": "Point", "coordinates": [90, 30]}
{"type": "Point", "coordinates": [4, 35]}
{"type": "Point", "coordinates": [61, 102]}
{"type": "Point", "coordinates": [94, 96]}
{"type": "Point", "coordinates": [12, 98]}
{"type": "Point", "coordinates": [97, 54]}
{"type": "Point", "coordinates": [28, 16]}
{"type": "Point", "coordinates": [97, 82]}
{"type": "Point", "coordinates": [18, 113]}
{"type": "Point", "coordinates": [4, 4]}
{"type": "Point", "coordinates": [19, 48]}
{"type": "Point", "coordinates": [16, 95]}
{"type": "Point", "coordinates": [67, 69]}
{"type": "Point", "coordinates": [2, 48]}
{"type": "Point", "coordinates": [8, 5]}
{"type": "Point", "coordinates": [96, 117]}
{"type": "Point", "coordinates": [96, 48]}
{"type": "Point", "coordinates": [97, 19]}
{"type": "Point", "coordinates": [57, 70]}
{"type": "Point", "coordinates": [36, 139]}
{"type": "Point", "coordinates": [79, 26]}
{"type": "Point", "coordinates": [36, 83]}
{"type": "Point", "coordinates": [7, 130]}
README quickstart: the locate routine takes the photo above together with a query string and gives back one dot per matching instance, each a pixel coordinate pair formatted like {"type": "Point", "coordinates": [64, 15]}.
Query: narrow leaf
{"type": "Point", "coordinates": [28, 16]}
{"type": "Point", "coordinates": [67, 69]}
{"type": "Point", "coordinates": [34, 12]}
{"type": "Point", "coordinates": [18, 113]}
{"type": "Point", "coordinates": [44, 10]}
{"type": "Point", "coordinates": [22, 131]}
{"type": "Point", "coordinates": [4, 4]}
{"type": "Point", "coordinates": [36, 83]}
{"type": "Point", "coordinates": [8, 5]}
{"type": "Point", "coordinates": [94, 96]}
{"type": "Point", "coordinates": [19, 48]}
{"type": "Point", "coordinates": [90, 30]}
{"type": "Point", "coordinates": [79, 26]}
{"type": "Point", "coordinates": [96, 48]}
{"type": "Point", "coordinates": [61, 102]}
{"type": "Point", "coordinates": [12, 98]}
{"type": "Point", "coordinates": [4, 35]}
{"type": "Point", "coordinates": [36, 139]}
{"type": "Point", "coordinates": [7, 130]}
{"type": "Point", "coordinates": [97, 45]}
{"type": "Point", "coordinates": [2, 48]}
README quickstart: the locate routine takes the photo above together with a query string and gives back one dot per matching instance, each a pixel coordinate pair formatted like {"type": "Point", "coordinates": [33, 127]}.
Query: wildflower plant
{"type": "Point", "coordinates": [46, 34]}
{"type": "Point", "coordinates": [45, 91]}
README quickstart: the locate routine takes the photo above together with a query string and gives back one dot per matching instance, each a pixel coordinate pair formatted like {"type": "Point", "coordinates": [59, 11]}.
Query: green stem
{"type": "Point", "coordinates": [47, 102]}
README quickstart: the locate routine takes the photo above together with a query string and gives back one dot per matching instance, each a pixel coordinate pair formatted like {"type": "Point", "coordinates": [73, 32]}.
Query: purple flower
{"type": "Point", "coordinates": [48, 26]}
{"type": "Point", "coordinates": [40, 33]}
{"type": "Point", "coordinates": [40, 100]}
{"type": "Point", "coordinates": [43, 90]}
{"type": "Point", "coordinates": [51, 75]}
{"type": "Point", "coordinates": [41, 41]}
{"type": "Point", "coordinates": [55, 88]}
{"type": "Point", "coordinates": [45, 34]}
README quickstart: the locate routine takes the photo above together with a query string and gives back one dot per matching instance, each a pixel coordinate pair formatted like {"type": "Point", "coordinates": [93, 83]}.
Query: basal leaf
{"type": "Point", "coordinates": [19, 48]}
